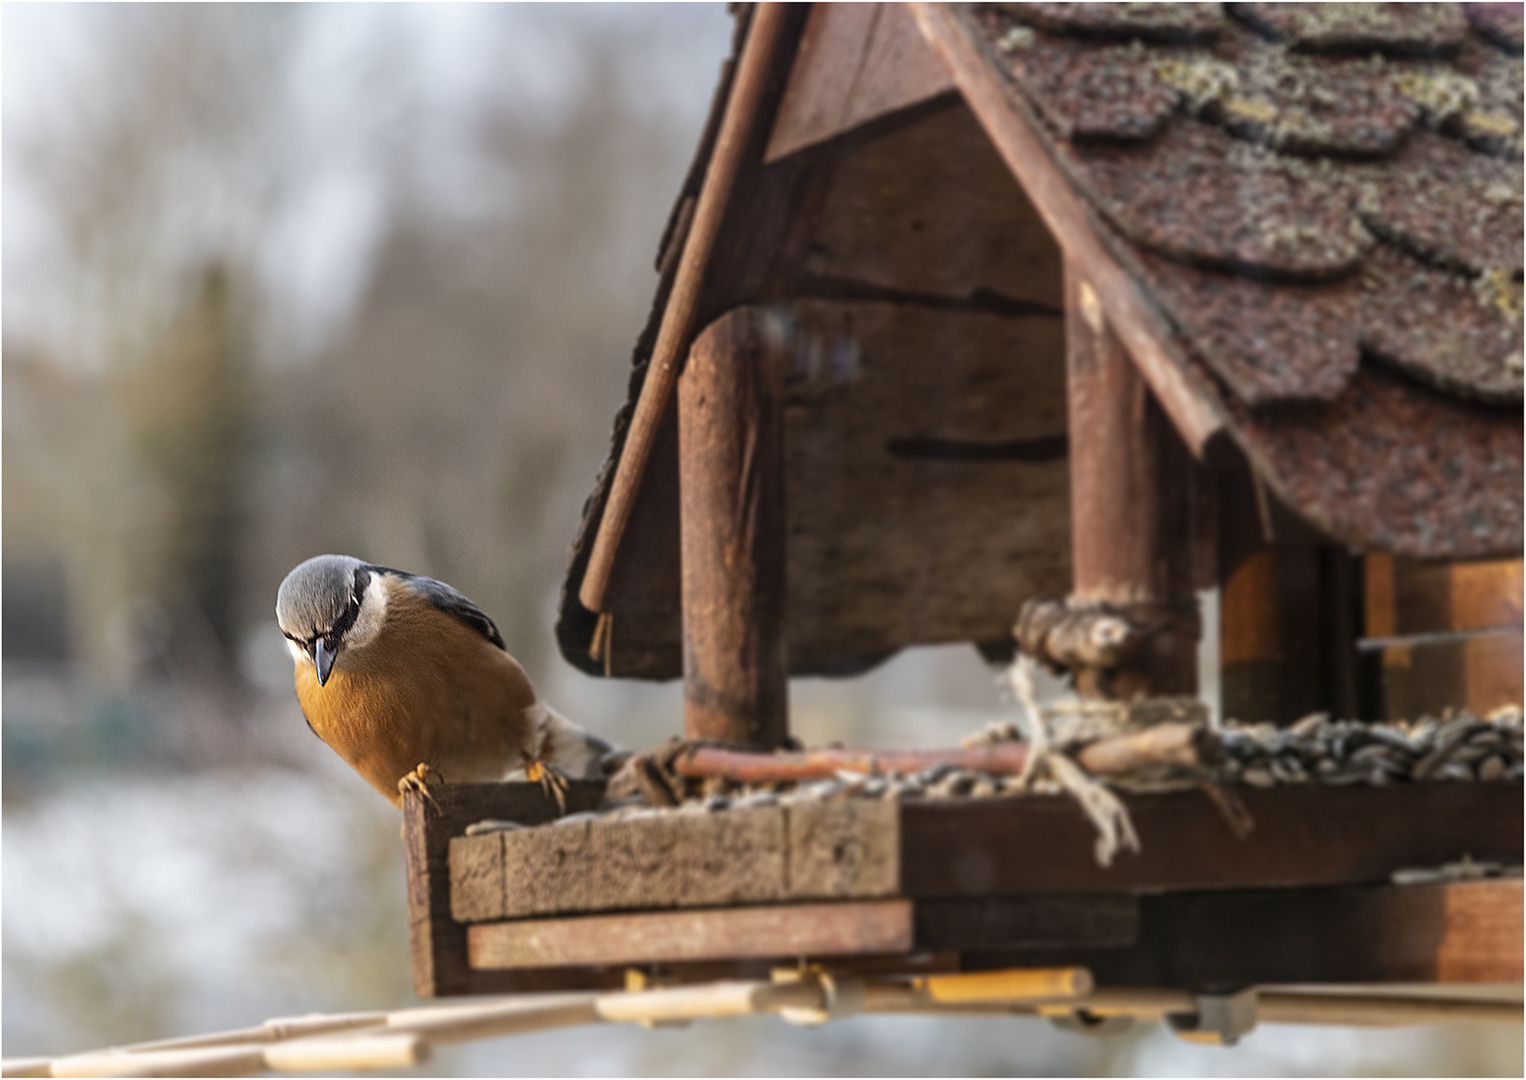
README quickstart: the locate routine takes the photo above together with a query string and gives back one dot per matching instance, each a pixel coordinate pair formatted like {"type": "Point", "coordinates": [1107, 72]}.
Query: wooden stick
{"type": "Point", "coordinates": [1164, 744]}
{"type": "Point", "coordinates": [764, 38]}
{"type": "Point", "coordinates": [1141, 327]}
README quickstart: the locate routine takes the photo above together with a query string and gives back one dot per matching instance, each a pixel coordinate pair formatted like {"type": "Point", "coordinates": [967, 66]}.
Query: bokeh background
{"type": "Point", "coordinates": [280, 280]}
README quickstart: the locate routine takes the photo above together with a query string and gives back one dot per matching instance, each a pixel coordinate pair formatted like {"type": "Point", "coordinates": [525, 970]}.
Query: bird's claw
{"type": "Point", "coordinates": [418, 782]}
{"type": "Point", "coordinates": [552, 782]}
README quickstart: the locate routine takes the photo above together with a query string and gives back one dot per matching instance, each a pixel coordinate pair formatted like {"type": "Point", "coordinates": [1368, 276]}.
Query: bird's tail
{"type": "Point", "coordinates": [574, 752]}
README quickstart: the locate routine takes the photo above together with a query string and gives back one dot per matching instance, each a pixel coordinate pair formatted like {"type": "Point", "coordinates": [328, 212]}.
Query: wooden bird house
{"type": "Point", "coordinates": [962, 307]}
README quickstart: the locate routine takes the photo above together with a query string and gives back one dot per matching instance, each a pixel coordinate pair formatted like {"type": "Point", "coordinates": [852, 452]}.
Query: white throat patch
{"type": "Point", "coordinates": [373, 611]}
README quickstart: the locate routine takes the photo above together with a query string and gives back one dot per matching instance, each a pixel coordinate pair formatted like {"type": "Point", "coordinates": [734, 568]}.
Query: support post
{"type": "Point", "coordinates": [731, 483]}
{"type": "Point", "coordinates": [1131, 504]}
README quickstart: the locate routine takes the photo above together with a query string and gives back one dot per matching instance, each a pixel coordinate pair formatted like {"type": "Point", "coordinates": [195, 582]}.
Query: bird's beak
{"type": "Point", "coordinates": [323, 658]}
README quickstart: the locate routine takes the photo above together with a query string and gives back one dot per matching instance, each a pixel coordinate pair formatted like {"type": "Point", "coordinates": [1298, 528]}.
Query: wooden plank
{"type": "Point", "coordinates": [437, 943]}
{"type": "Point", "coordinates": [1001, 846]}
{"type": "Point", "coordinates": [1453, 933]}
{"type": "Point", "coordinates": [931, 210]}
{"type": "Point", "coordinates": [766, 41]}
{"type": "Point", "coordinates": [1039, 921]}
{"type": "Point", "coordinates": [1445, 634]}
{"type": "Point", "coordinates": [784, 932]}
{"type": "Point", "coordinates": [816, 851]}
{"type": "Point", "coordinates": [857, 63]}
{"type": "Point", "coordinates": [668, 860]}
{"type": "Point", "coordinates": [1478, 670]}
{"type": "Point", "coordinates": [1138, 324]}
{"type": "Point", "coordinates": [1130, 504]}
{"type": "Point", "coordinates": [920, 511]}
{"type": "Point", "coordinates": [842, 849]}
{"type": "Point", "coordinates": [731, 493]}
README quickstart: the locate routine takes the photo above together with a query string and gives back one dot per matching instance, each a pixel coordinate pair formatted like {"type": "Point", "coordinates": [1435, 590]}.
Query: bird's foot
{"type": "Point", "coordinates": [418, 782]}
{"type": "Point", "coordinates": [552, 782]}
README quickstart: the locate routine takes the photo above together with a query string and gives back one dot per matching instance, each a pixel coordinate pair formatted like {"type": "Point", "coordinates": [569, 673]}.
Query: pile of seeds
{"type": "Point", "coordinates": [1317, 750]}
{"type": "Point", "coordinates": [1457, 748]}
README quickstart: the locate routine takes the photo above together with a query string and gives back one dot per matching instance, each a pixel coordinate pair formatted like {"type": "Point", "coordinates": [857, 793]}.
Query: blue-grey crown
{"type": "Point", "coordinates": [315, 596]}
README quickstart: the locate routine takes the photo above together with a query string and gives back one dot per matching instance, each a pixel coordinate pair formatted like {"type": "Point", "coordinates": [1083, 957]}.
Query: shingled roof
{"type": "Point", "coordinates": [1319, 210]}
{"type": "Point", "coordinates": [1324, 200]}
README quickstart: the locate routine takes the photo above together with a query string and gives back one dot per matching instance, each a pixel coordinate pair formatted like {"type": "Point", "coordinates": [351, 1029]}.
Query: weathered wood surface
{"type": "Point", "coordinates": [1444, 634]}
{"type": "Point", "coordinates": [1046, 920]}
{"type": "Point", "coordinates": [782, 932]}
{"type": "Point", "coordinates": [927, 488]}
{"type": "Point", "coordinates": [759, 856]}
{"type": "Point", "coordinates": [1276, 616]}
{"type": "Point", "coordinates": [1454, 933]}
{"type": "Point", "coordinates": [1130, 496]}
{"type": "Point", "coordinates": [868, 849]}
{"type": "Point", "coordinates": [929, 215]}
{"type": "Point", "coordinates": [437, 942]}
{"type": "Point", "coordinates": [1140, 327]}
{"type": "Point", "coordinates": [731, 485]}
{"type": "Point", "coordinates": [768, 38]}
{"type": "Point", "coordinates": [857, 64]}
{"type": "Point", "coordinates": [1303, 836]}
{"type": "Point", "coordinates": [913, 270]}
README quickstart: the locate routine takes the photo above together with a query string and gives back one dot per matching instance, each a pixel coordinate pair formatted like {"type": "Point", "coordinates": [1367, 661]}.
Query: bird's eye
{"type": "Point", "coordinates": [354, 599]}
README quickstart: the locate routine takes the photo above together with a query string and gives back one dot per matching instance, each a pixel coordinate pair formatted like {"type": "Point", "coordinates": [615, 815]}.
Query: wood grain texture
{"type": "Point", "coordinates": [783, 932]}
{"type": "Point", "coordinates": [856, 64]}
{"type": "Point", "coordinates": [1140, 327]}
{"type": "Point", "coordinates": [1039, 921]}
{"type": "Point", "coordinates": [1130, 484]}
{"type": "Point", "coordinates": [971, 848]}
{"type": "Point", "coordinates": [766, 38]}
{"type": "Point", "coordinates": [437, 942]}
{"type": "Point", "coordinates": [927, 488]}
{"type": "Point", "coordinates": [1455, 934]}
{"type": "Point", "coordinates": [824, 851]}
{"type": "Point", "coordinates": [732, 523]}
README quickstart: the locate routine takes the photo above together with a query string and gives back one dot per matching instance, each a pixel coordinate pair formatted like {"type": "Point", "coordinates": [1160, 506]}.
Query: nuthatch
{"type": "Point", "coordinates": [405, 679]}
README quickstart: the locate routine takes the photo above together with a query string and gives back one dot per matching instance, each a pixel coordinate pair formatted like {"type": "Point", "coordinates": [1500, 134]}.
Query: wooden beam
{"type": "Point", "coordinates": [962, 848]}
{"type": "Point", "coordinates": [765, 40]}
{"type": "Point", "coordinates": [783, 932]}
{"type": "Point", "coordinates": [866, 849]}
{"type": "Point", "coordinates": [731, 493]}
{"type": "Point", "coordinates": [1140, 327]}
{"type": "Point", "coordinates": [1130, 497]}
{"type": "Point", "coordinates": [1467, 932]}
{"type": "Point", "coordinates": [438, 942]}
{"type": "Point", "coordinates": [857, 64]}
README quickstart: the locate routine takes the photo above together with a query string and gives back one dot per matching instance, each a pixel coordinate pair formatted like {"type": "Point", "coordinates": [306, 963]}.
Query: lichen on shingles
{"type": "Point", "coordinates": [1458, 334]}
{"type": "Point", "coordinates": [1087, 91]}
{"type": "Point", "coordinates": [1195, 193]}
{"type": "Point", "coordinates": [1143, 21]}
{"type": "Point", "coordinates": [1355, 27]}
{"type": "Point", "coordinates": [1447, 205]}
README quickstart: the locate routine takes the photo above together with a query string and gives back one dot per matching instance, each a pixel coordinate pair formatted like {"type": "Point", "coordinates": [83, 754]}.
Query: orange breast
{"type": "Point", "coordinates": [426, 690]}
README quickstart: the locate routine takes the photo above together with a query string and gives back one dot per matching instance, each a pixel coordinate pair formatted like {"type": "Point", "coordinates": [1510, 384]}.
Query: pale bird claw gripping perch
{"type": "Point", "coordinates": [552, 782]}
{"type": "Point", "coordinates": [418, 781]}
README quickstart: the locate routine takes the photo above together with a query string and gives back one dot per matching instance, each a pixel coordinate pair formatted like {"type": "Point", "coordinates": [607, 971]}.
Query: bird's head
{"type": "Point", "coordinates": [326, 605]}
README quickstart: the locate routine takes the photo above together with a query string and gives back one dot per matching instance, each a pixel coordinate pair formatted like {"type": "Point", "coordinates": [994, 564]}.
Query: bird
{"type": "Point", "coordinates": [410, 683]}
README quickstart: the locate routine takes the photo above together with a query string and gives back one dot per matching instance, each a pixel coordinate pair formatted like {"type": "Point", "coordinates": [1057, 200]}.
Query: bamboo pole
{"type": "Point", "coordinates": [405, 1037]}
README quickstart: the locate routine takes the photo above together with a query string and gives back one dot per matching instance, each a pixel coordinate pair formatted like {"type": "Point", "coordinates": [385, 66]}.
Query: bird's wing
{"type": "Point", "coordinates": [450, 601]}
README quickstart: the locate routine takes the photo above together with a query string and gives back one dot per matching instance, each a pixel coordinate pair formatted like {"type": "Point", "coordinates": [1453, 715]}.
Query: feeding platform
{"type": "Point", "coordinates": [964, 885]}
